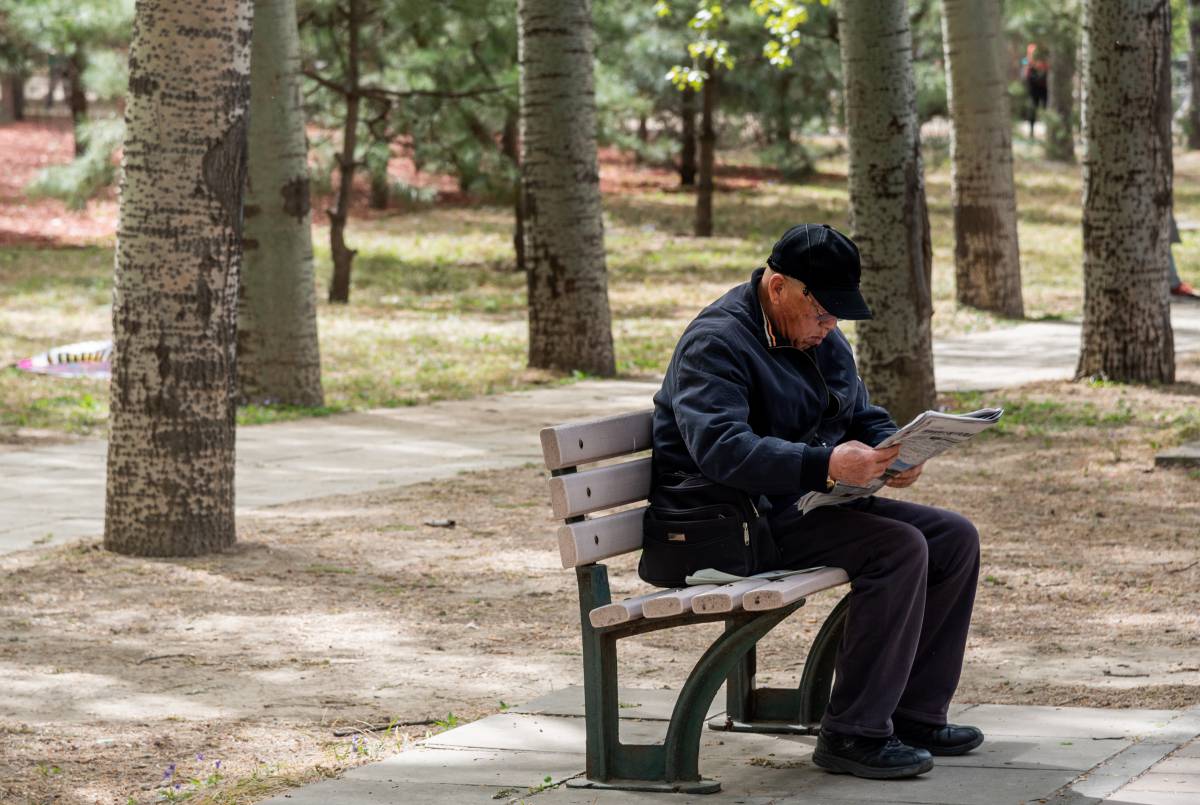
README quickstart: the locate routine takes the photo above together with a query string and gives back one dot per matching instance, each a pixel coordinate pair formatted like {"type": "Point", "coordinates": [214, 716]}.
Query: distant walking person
{"type": "Point", "coordinates": [1178, 286]}
{"type": "Point", "coordinates": [1035, 73]}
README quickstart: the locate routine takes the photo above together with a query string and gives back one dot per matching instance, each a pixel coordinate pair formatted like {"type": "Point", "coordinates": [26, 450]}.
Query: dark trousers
{"type": "Point", "coordinates": [913, 571]}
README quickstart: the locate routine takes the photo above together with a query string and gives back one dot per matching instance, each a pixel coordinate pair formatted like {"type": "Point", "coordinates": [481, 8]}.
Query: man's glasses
{"type": "Point", "coordinates": [820, 313]}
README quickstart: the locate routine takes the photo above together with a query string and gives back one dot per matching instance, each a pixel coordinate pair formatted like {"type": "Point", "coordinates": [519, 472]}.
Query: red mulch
{"type": "Point", "coordinates": [27, 147]}
{"type": "Point", "coordinates": [31, 145]}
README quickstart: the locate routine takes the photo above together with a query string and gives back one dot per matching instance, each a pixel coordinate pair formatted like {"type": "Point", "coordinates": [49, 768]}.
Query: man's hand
{"type": "Point", "coordinates": [858, 464]}
{"type": "Point", "coordinates": [906, 478]}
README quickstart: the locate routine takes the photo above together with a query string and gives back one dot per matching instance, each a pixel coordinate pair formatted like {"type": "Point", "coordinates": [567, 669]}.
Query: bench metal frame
{"type": "Point", "coordinates": [673, 765]}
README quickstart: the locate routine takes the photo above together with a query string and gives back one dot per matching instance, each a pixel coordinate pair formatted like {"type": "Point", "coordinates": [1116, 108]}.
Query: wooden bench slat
{"type": "Point", "coordinates": [578, 443]}
{"type": "Point", "coordinates": [725, 598]}
{"type": "Point", "coordinates": [776, 594]}
{"type": "Point", "coordinates": [592, 540]}
{"type": "Point", "coordinates": [623, 611]}
{"type": "Point", "coordinates": [601, 488]}
{"type": "Point", "coordinates": [674, 602]}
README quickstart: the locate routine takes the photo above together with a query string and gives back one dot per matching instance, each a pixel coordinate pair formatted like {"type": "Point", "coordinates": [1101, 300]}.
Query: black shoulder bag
{"type": "Point", "coordinates": [693, 523]}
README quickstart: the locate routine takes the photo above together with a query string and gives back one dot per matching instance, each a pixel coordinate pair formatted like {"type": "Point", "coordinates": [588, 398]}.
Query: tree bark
{"type": "Point", "coordinates": [708, 149]}
{"type": "Point", "coordinates": [510, 145]}
{"type": "Point", "coordinates": [783, 109]}
{"type": "Point", "coordinates": [278, 356]}
{"type": "Point", "coordinates": [570, 326]}
{"type": "Point", "coordinates": [1060, 133]}
{"type": "Point", "coordinates": [1127, 168]}
{"type": "Point", "coordinates": [77, 97]}
{"type": "Point", "coordinates": [687, 137]}
{"type": "Point", "coordinates": [179, 245]}
{"type": "Point", "coordinates": [343, 255]}
{"type": "Point", "coordinates": [889, 217]}
{"type": "Point", "coordinates": [14, 97]}
{"type": "Point", "coordinates": [1193, 118]}
{"type": "Point", "coordinates": [986, 259]}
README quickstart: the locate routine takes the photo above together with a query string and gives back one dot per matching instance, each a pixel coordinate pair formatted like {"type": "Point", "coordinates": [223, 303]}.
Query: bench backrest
{"type": "Point", "coordinates": [577, 493]}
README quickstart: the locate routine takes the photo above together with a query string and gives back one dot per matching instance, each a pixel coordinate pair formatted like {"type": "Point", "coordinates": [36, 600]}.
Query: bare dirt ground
{"type": "Point", "coordinates": [127, 677]}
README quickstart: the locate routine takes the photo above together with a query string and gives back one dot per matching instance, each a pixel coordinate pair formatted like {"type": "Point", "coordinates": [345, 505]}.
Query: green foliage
{"type": "Point", "coordinates": [88, 174]}
{"type": "Point", "coordinates": [931, 91]}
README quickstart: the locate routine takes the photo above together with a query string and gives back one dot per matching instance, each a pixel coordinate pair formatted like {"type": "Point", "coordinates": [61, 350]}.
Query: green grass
{"type": "Point", "coordinates": [438, 312]}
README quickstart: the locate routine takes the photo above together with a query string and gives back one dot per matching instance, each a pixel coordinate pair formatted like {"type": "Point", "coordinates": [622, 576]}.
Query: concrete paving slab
{"type": "Point", "coordinates": [1158, 780]}
{"type": "Point", "coordinates": [1108, 777]}
{"type": "Point", "coordinates": [654, 704]}
{"type": "Point", "coordinates": [516, 731]}
{"type": "Point", "coordinates": [1152, 798]}
{"type": "Point", "coordinates": [1069, 722]}
{"type": "Point", "coordinates": [345, 791]}
{"type": "Point", "coordinates": [1185, 456]}
{"type": "Point", "coordinates": [487, 767]}
{"type": "Point", "coordinates": [1066, 756]}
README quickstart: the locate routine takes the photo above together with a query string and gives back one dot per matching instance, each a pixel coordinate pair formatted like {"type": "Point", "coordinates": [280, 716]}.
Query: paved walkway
{"type": "Point", "coordinates": [56, 494]}
{"type": "Point", "coordinates": [1054, 755]}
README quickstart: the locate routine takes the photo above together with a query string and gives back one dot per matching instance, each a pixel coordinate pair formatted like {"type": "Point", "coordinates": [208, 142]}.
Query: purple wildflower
{"type": "Point", "coordinates": [200, 757]}
{"type": "Point", "coordinates": [217, 765]}
{"type": "Point", "coordinates": [170, 772]}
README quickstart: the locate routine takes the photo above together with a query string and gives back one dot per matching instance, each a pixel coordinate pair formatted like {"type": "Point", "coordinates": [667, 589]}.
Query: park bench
{"type": "Point", "coordinates": [582, 497]}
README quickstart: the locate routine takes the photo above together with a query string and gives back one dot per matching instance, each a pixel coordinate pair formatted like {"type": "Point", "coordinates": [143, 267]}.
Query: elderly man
{"type": "Point", "coordinates": [762, 399]}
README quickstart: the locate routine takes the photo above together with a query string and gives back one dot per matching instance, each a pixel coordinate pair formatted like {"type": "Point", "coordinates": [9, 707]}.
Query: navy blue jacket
{"type": "Point", "coordinates": [755, 415]}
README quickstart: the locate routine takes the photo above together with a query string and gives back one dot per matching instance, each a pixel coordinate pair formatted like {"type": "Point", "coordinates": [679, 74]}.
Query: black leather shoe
{"type": "Point", "coordinates": [940, 739]}
{"type": "Point", "coordinates": [874, 758]}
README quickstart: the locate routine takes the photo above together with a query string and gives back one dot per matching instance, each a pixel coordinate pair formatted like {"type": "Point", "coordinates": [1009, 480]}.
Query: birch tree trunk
{"type": "Point", "coordinates": [179, 246]}
{"type": "Point", "coordinates": [1127, 168]}
{"type": "Point", "coordinates": [1193, 118]}
{"type": "Point", "coordinates": [570, 327]}
{"type": "Point", "coordinates": [278, 357]}
{"type": "Point", "coordinates": [986, 260]}
{"type": "Point", "coordinates": [708, 154]}
{"type": "Point", "coordinates": [889, 219]}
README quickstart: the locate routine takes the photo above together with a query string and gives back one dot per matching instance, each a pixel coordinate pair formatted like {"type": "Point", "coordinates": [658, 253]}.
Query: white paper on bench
{"type": "Point", "coordinates": [725, 598]}
{"type": "Point", "coordinates": [675, 602]}
{"type": "Point", "coordinates": [623, 611]}
{"type": "Point", "coordinates": [592, 540]}
{"type": "Point", "coordinates": [776, 594]}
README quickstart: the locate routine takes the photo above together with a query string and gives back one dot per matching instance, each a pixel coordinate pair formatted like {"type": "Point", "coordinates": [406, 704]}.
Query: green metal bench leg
{"type": "Point", "coordinates": [794, 711]}
{"type": "Point", "coordinates": [674, 764]}
{"type": "Point", "coordinates": [687, 719]}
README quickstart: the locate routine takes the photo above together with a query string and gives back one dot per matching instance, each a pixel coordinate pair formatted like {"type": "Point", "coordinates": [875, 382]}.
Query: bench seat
{"type": "Point", "coordinates": [751, 596]}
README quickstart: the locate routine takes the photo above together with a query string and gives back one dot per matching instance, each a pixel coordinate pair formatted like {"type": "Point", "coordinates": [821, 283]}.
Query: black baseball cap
{"type": "Point", "coordinates": [827, 262]}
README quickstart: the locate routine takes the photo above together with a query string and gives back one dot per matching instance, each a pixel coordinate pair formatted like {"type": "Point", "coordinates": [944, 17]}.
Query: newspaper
{"type": "Point", "coordinates": [930, 434]}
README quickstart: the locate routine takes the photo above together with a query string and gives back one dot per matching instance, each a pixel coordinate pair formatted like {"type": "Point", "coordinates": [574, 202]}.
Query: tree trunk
{"type": "Point", "coordinates": [708, 148]}
{"type": "Point", "coordinates": [1193, 118]}
{"type": "Point", "coordinates": [987, 265]}
{"type": "Point", "coordinates": [687, 137]}
{"type": "Point", "coordinates": [13, 90]}
{"type": "Point", "coordinates": [278, 357]}
{"type": "Point", "coordinates": [890, 220]}
{"type": "Point", "coordinates": [1127, 168]}
{"type": "Point", "coordinates": [511, 146]}
{"type": "Point", "coordinates": [570, 327]}
{"type": "Point", "coordinates": [179, 246]}
{"type": "Point", "coordinates": [77, 97]}
{"type": "Point", "coordinates": [1060, 129]}
{"type": "Point", "coordinates": [343, 255]}
{"type": "Point", "coordinates": [783, 110]}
